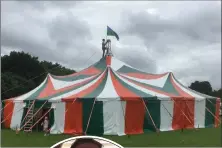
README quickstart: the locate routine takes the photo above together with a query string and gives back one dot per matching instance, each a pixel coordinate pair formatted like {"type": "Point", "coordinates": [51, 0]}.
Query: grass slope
{"type": "Point", "coordinates": [209, 137]}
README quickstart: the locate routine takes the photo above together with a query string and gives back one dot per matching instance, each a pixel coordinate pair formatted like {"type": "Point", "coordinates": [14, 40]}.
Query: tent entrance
{"type": "Point", "coordinates": [41, 113]}
{"type": "Point", "coordinates": [38, 114]}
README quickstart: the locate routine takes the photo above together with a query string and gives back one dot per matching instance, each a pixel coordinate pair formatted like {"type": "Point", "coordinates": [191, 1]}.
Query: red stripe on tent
{"type": "Point", "coordinates": [150, 88]}
{"type": "Point", "coordinates": [73, 118]}
{"type": "Point", "coordinates": [53, 91]}
{"type": "Point", "coordinates": [48, 90]}
{"type": "Point", "coordinates": [179, 119]}
{"type": "Point", "coordinates": [7, 113]}
{"type": "Point", "coordinates": [108, 60]}
{"type": "Point", "coordinates": [123, 92]}
{"type": "Point", "coordinates": [217, 114]}
{"type": "Point", "coordinates": [183, 109]}
{"type": "Point", "coordinates": [86, 91]}
{"type": "Point", "coordinates": [144, 76]}
{"type": "Point", "coordinates": [133, 124]}
{"type": "Point", "coordinates": [134, 117]}
{"type": "Point", "coordinates": [89, 71]}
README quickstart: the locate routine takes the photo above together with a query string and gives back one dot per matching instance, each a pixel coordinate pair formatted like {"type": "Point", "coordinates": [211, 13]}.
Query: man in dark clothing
{"type": "Point", "coordinates": [104, 47]}
{"type": "Point", "coordinates": [86, 143]}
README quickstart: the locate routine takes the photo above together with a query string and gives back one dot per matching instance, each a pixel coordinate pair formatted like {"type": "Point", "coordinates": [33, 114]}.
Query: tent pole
{"type": "Point", "coordinates": [150, 116]}
{"type": "Point", "coordinates": [190, 111]}
{"type": "Point", "coordinates": [212, 114]}
{"type": "Point", "coordinates": [203, 116]}
{"type": "Point", "coordinates": [10, 114]}
{"type": "Point", "coordinates": [123, 114]}
{"type": "Point", "coordinates": [210, 101]}
{"type": "Point", "coordinates": [4, 107]}
{"type": "Point", "coordinates": [72, 103]}
{"type": "Point", "coordinates": [167, 111]}
{"type": "Point", "coordinates": [28, 112]}
{"type": "Point", "coordinates": [182, 112]}
{"type": "Point", "coordinates": [41, 118]}
{"type": "Point", "coordinates": [66, 110]}
{"type": "Point", "coordinates": [90, 116]}
{"type": "Point", "coordinates": [34, 115]}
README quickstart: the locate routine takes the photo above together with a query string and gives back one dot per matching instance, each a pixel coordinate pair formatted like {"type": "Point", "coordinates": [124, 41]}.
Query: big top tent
{"type": "Point", "coordinates": [113, 98]}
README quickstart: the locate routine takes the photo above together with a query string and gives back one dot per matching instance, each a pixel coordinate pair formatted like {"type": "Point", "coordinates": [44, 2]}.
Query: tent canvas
{"type": "Point", "coordinates": [113, 98]}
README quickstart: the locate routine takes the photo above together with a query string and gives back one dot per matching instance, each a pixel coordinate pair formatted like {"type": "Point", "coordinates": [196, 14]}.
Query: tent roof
{"type": "Point", "coordinates": [110, 79]}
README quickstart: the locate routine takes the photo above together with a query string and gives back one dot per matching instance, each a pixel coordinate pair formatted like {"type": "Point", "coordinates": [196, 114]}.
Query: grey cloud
{"type": "Point", "coordinates": [43, 5]}
{"type": "Point", "coordinates": [139, 60]}
{"type": "Point", "coordinates": [67, 30]}
{"type": "Point", "coordinates": [20, 42]}
{"type": "Point", "coordinates": [202, 25]}
{"type": "Point", "coordinates": [205, 25]}
{"type": "Point", "coordinates": [61, 39]}
{"type": "Point", "coordinates": [72, 35]}
{"type": "Point", "coordinates": [192, 28]}
{"type": "Point", "coordinates": [37, 5]}
{"type": "Point", "coordinates": [177, 29]}
{"type": "Point", "coordinates": [212, 74]}
{"type": "Point", "coordinates": [64, 4]}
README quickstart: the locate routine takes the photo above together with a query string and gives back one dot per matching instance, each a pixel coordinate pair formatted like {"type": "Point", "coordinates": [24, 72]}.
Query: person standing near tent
{"type": "Point", "coordinates": [45, 125]}
{"type": "Point", "coordinates": [104, 47]}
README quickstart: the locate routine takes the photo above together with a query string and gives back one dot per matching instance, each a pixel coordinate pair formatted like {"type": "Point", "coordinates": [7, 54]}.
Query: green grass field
{"type": "Point", "coordinates": [209, 137]}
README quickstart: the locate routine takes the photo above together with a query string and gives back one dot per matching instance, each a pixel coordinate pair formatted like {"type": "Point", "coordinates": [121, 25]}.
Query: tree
{"type": "Point", "coordinates": [14, 85]}
{"type": "Point", "coordinates": [22, 72]}
{"type": "Point", "coordinates": [202, 87]}
{"type": "Point", "coordinates": [217, 93]}
{"type": "Point", "coordinates": [55, 69]}
{"type": "Point", "coordinates": [23, 65]}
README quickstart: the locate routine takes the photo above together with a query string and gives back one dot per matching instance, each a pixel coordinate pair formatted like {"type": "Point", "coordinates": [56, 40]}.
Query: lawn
{"type": "Point", "coordinates": [209, 137]}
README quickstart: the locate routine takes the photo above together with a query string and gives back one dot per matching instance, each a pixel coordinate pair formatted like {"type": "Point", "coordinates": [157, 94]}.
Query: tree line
{"type": "Point", "coordinates": [22, 72]}
{"type": "Point", "coordinates": [206, 88]}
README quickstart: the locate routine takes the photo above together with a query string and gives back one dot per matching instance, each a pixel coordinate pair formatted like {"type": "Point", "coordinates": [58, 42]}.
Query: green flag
{"type": "Point", "coordinates": [110, 32]}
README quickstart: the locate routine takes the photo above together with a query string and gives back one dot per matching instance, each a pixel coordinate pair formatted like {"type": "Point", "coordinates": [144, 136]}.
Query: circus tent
{"type": "Point", "coordinates": [113, 98]}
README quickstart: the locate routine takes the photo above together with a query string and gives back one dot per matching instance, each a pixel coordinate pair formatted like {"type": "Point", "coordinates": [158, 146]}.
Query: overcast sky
{"type": "Point", "coordinates": [178, 36]}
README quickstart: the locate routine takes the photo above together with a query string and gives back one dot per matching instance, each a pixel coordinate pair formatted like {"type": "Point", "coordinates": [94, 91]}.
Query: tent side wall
{"type": "Point", "coordinates": [115, 117]}
{"type": "Point", "coordinates": [12, 114]}
{"type": "Point", "coordinates": [206, 108]}
{"type": "Point", "coordinates": [99, 118]}
{"type": "Point", "coordinates": [129, 117]}
{"type": "Point", "coordinates": [41, 108]}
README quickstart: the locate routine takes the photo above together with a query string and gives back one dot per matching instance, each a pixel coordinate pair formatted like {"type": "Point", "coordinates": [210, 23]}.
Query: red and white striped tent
{"type": "Point", "coordinates": [113, 98]}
